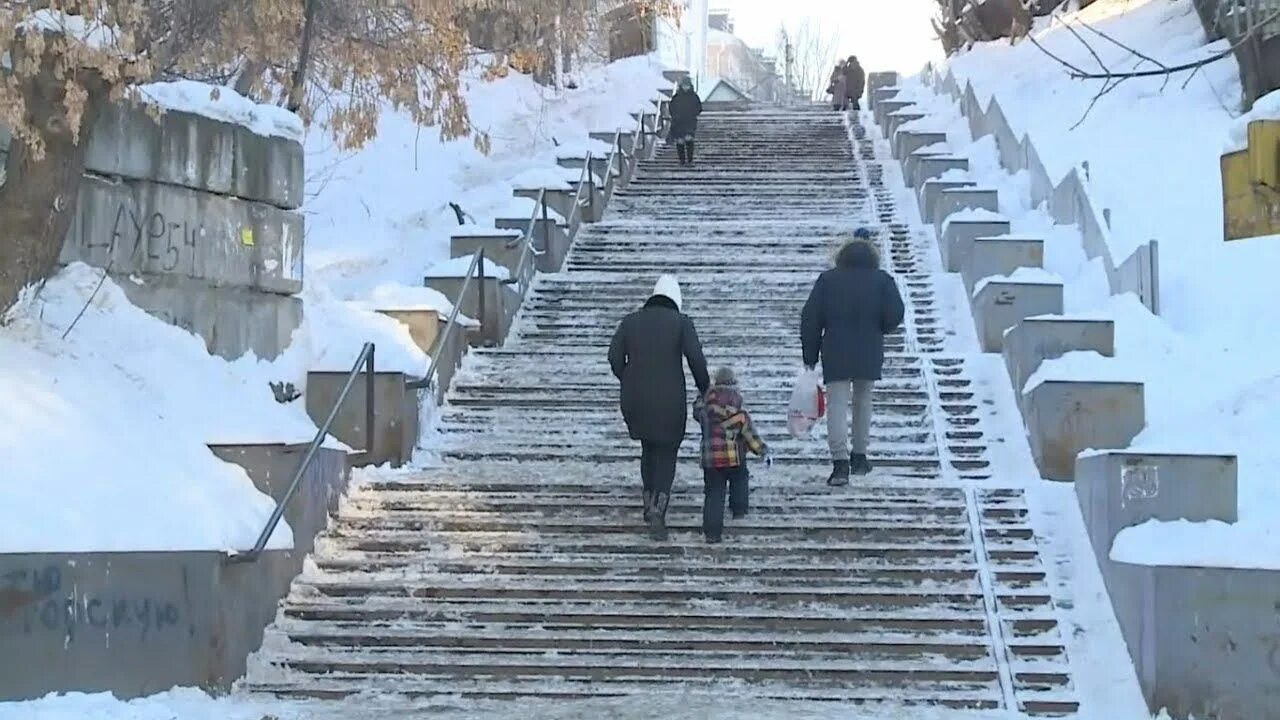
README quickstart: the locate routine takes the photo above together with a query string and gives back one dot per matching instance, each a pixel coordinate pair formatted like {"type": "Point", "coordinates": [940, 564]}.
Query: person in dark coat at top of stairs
{"type": "Point", "coordinates": [647, 355]}
{"type": "Point", "coordinates": [684, 109]}
{"type": "Point", "coordinates": [855, 81]}
{"type": "Point", "coordinates": [849, 311]}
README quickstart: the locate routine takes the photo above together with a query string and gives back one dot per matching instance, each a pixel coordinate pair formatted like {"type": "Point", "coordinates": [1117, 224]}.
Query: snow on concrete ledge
{"type": "Point", "coordinates": [550, 178]}
{"type": "Point", "coordinates": [458, 267]}
{"type": "Point", "coordinates": [971, 214]}
{"type": "Point", "coordinates": [1080, 366]}
{"type": "Point", "coordinates": [1021, 276]}
{"type": "Point", "coordinates": [225, 104]}
{"type": "Point", "coordinates": [1184, 543]}
{"type": "Point", "coordinates": [523, 208]}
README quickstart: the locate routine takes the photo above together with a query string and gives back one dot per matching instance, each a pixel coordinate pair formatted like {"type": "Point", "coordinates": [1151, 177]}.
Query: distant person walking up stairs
{"type": "Point", "coordinates": [855, 82]}
{"type": "Point", "coordinates": [684, 109]}
{"type": "Point", "coordinates": [647, 355]}
{"type": "Point", "coordinates": [837, 88]}
{"type": "Point", "coordinates": [849, 311]}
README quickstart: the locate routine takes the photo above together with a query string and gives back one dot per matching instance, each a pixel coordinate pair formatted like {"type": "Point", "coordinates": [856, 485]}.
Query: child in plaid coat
{"type": "Point", "coordinates": [727, 435]}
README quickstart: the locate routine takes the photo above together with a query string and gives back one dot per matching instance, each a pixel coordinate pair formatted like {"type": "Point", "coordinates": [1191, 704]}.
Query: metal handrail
{"type": "Point", "coordinates": [364, 362]}
{"type": "Point", "coordinates": [526, 266]}
{"type": "Point", "coordinates": [476, 269]}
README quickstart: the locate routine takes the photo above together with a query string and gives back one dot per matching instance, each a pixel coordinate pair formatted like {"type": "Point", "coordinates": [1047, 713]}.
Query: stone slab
{"type": "Point", "coordinates": [550, 237]}
{"type": "Point", "coordinates": [423, 326]}
{"type": "Point", "coordinates": [231, 321]}
{"type": "Point", "coordinates": [1064, 418]}
{"type": "Point", "coordinates": [1036, 339]}
{"type": "Point", "coordinates": [931, 166]}
{"type": "Point", "coordinates": [144, 227]}
{"type": "Point", "coordinates": [395, 413]}
{"type": "Point", "coordinates": [988, 256]}
{"type": "Point", "coordinates": [906, 142]}
{"type": "Point", "coordinates": [966, 198]}
{"type": "Point", "coordinates": [501, 303]}
{"type": "Point", "coordinates": [1000, 305]}
{"type": "Point", "coordinates": [958, 236]}
{"type": "Point", "coordinates": [931, 192]}
{"type": "Point", "coordinates": [133, 623]}
{"type": "Point", "coordinates": [561, 201]}
{"type": "Point", "coordinates": [503, 247]}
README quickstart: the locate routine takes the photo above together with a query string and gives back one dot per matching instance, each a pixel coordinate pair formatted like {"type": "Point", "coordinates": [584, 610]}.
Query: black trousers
{"type": "Point", "coordinates": [658, 469]}
{"type": "Point", "coordinates": [715, 482]}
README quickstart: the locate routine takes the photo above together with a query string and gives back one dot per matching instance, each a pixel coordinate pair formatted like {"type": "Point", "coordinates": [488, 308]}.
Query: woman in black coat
{"type": "Point", "coordinates": [647, 355]}
{"type": "Point", "coordinates": [684, 109]}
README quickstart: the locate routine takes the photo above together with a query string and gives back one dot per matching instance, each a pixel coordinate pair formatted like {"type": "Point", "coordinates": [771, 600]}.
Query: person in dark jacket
{"type": "Point", "coordinates": [684, 109]}
{"type": "Point", "coordinates": [850, 310]}
{"type": "Point", "coordinates": [646, 356]}
{"type": "Point", "coordinates": [838, 88]}
{"type": "Point", "coordinates": [855, 81]}
{"type": "Point", "coordinates": [727, 436]}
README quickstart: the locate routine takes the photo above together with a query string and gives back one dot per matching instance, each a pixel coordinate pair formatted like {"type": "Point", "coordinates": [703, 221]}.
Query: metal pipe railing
{"type": "Point", "coordinates": [364, 362]}
{"type": "Point", "coordinates": [476, 269]}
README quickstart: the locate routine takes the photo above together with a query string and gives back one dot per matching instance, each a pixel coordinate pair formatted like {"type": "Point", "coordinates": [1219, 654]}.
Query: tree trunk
{"type": "Point", "coordinates": [298, 91]}
{"type": "Point", "coordinates": [38, 200]}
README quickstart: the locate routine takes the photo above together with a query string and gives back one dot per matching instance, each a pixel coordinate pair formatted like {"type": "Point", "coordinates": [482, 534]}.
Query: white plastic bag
{"type": "Point", "coordinates": [808, 403]}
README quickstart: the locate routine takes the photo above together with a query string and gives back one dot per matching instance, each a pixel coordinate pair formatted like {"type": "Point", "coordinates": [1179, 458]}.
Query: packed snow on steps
{"type": "Point", "coordinates": [1153, 150]}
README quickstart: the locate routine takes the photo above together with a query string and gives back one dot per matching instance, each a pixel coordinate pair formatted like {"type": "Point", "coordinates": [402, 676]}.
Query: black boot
{"type": "Point", "coordinates": [839, 473]}
{"type": "Point", "coordinates": [689, 151]}
{"type": "Point", "coordinates": [648, 504]}
{"type": "Point", "coordinates": [859, 464]}
{"type": "Point", "coordinates": [658, 517]}
{"type": "Point", "coordinates": [684, 154]}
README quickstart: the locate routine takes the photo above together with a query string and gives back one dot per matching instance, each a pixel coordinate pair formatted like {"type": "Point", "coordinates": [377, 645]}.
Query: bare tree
{"type": "Point", "coordinates": [813, 52]}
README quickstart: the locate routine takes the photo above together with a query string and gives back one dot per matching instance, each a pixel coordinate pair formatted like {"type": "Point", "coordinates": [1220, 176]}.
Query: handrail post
{"type": "Point", "coordinates": [480, 296]}
{"type": "Point", "coordinates": [369, 414]}
{"type": "Point", "coordinates": [591, 189]}
{"type": "Point", "coordinates": [546, 225]}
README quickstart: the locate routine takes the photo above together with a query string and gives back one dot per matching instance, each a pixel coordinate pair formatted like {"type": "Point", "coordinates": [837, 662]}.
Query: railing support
{"type": "Point", "coordinates": [480, 296]}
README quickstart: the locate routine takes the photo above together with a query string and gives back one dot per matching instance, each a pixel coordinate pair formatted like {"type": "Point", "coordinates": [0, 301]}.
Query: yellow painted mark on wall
{"type": "Point", "coordinates": [246, 237]}
{"type": "Point", "coordinates": [1251, 184]}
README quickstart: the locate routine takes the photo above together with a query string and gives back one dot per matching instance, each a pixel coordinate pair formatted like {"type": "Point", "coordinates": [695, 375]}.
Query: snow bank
{"type": "Point", "coordinates": [105, 432]}
{"type": "Point", "coordinates": [225, 104]}
{"type": "Point", "coordinates": [336, 331]}
{"type": "Point", "coordinates": [382, 214]}
{"type": "Point", "coordinates": [1081, 367]}
{"type": "Point", "coordinates": [92, 33]}
{"type": "Point", "coordinates": [1199, 544]}
{"type": "Point", "coordinates": [1023, 275]}
{"type": "Point", "coordinates": [972, 215]}
{"type": "Point", "coordinates": [1208, 362]}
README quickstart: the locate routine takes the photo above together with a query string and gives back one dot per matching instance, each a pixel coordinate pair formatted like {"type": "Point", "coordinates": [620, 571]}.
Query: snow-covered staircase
{"type": "Point", "coordinates": [520, 568]}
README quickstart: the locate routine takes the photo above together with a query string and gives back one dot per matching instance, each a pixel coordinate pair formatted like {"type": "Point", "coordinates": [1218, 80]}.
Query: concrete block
{"type": "Point", "coordinates": [424, 326]}
{"type": "Point", "coordinates": [965, 198]}
{"type": "Point", "coordinates": [271, 466]}
{"type": "Point", "coordinates": [931, 166]}
{"type": "Point", "coordinates": [1036, 339]}
{"type": "Point", "coordinates": [958, 236]}
{"type": "Point", "coordinates": [231, 321]}
{"type": "Point", "coordinates": [145, 227]}
{"type": "Point", "coordinates": [1001, 304]}
{"type": "Point", "coordinates": [909, 141]}
{"type": "Point", "coordinates": [452, 347]}
{"type": "Point", "coordinates": [395, 408]}
{"type": "Point", "coordinates": [889, 106]}
{"type": "Point", "coordinates": [1202, 639]}
{"type": "Point", "coordinates": [561, 201]}
{"type": "Point", "coordinates": [895, 121]}
{"type": "Point", "coordinates": [501, 301]}
{"type": "Point", "coordinates": [134, 623]}
{"type": "Point", "coordinates": [911, 164]}
{"type": "Point", "coordinates": [998, 256]}
{"type": "Point", "coordinates": [594, 201]}
{"type": "Point", "coordinates": [931, 192]}
{"type": "Point", "coordinates": [550, 238]}
{"type": "Point", "coordinates": [502, 247]}
{"type": "Point", "coordinates": [196, 152]}
{"type": "Point", "coordinates": [1065, 417]}
{"type": "Point", "coordinates": [877, 95]}
{"type": "Point", "coordinates": [1121, 488]}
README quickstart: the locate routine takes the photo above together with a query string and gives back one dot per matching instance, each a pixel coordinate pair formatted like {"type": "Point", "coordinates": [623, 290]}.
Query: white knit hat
{"type": "Point", "coordinates": [669, 287]}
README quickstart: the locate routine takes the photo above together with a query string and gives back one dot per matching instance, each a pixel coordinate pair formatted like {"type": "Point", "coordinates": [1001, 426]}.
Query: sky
{"type": "Point", "coordinates": [884, 34]}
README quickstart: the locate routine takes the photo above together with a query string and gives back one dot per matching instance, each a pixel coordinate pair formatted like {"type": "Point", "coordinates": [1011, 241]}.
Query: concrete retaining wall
{"type": "Point", "coordinates": [928, 167]}
{"type": "Point", "coordinates": [1036, 339]}
{"type": "Point", "coordinates": [1000, 305]}
{"type": "Point", "coordinates": [501, 303]}
{"type": "Point", "coordinates": [999, 256]}
{"type": "Point", "coordinates": [930, 192]}
{"type": "Point", "coordinates": [957, 236]}
{"type": "Point", "coordinates": [1200, 637]}
{"type": "Point", "coordinates": [1069, 200]}
{"type": "Point", "coordinates": [909, 141]}
{"type": "Point", "coordinates": [964, 198]}
{"type": "Point", "coordinates": [396, 411]}
{"type": "Point", "coordinates": [1064, 418]}
{"type": "Point", "coordinates": [133, 623]}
